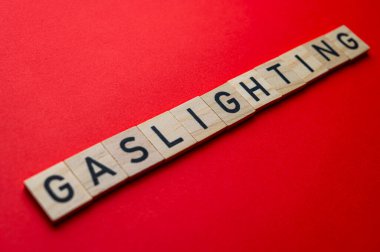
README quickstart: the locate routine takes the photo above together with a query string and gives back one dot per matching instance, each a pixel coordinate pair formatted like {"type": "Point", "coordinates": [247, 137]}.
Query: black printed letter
{"type": "Point", "coordinates": [304, 63]}
{"type": "Point", "coordinates": [230, 101]}
{"type": "Point", "coordinates": [103, 169]}
{"type": "Point", "coordinates": [353, 43]}
{"type": "Point", "coordinates": [144, 152]}
{"type": "Point", "coordinates": [329, 50]}
{"type": "Point", "coordinates": [275, 68]}
{"type": "Point", "coordinates": [252, 90]}
{"type": "Point", "coordinates": [66, 186]}
{"type": "Point", "coordinates": [191, 112]}
{"type": "Point", "coordinates": [165, 140]}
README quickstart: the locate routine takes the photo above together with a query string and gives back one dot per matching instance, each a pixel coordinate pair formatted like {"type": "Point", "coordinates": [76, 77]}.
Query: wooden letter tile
{"type": "Point", "coordinates": [306, 66]}
{"type": "Point", "coordinates": [280, 75]}
{"type": "Point", "coordinates": [326, 52]}
{"type": "Point", "coordinates": [57, 191]}
{"type": "Point", "coordinates": [198, 118]}
{"type": "Point", "coordinates": [228, 104]}
{"type": "Point", "coordinates": [167, 134]}
{"type": "Point", "coordinates": [96, 169]}
{"type": "Point", "coordinates": [133, 151]}
{"type": "Point", "coordinates": [347, 42]}
{"type": "Point", "coordinates": [255, 89]}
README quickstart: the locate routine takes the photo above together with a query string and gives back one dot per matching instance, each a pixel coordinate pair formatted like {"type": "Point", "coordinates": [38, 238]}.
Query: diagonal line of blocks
{"type": "Point", "coordinates": [74, 182]}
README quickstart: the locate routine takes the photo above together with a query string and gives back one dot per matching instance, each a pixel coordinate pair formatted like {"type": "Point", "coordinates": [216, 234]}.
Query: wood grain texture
{"type": "Point", "coordinates": [98, 160]}
{"type": "Point", "coordinates": [331, 59]}
{"type": "Point", "coordinates": [167, 134]}
{"type": "Point", "coordinates": [304, 64]}
{"type": "Point", "coordinates": [198, 118]}
{"type": "Point", "coordinates": [285, 82]}
{"type": "Point", "coordinates": [347, 42]}
{"type": "Point", "coordinates": [140, 154]}
{"type": "Point", "coordinates": [54, 209]}
{"type": "Point", "coordinates": [259, 94]}
{"type": "Point", "coordinates": [228, 104]}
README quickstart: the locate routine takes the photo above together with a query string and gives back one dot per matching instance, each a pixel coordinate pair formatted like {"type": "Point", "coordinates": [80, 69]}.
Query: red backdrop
{"type": "Point", "coordinates": [302, 175]}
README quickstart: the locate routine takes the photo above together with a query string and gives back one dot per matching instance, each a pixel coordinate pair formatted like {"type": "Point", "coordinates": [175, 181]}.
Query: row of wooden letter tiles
{"type": "Point", "coordinates": [74, 182]}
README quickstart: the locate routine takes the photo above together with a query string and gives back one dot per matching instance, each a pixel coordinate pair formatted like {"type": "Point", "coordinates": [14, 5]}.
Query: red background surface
{"type": "Point", "coordinates": [302, 175]}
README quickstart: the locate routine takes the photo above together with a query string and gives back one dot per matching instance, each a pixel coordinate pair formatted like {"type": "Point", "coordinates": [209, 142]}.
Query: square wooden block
{"type": "Point", "coordinates": [228, 104]}
{"type": "Point", "coordinates": [133, 151]}
{"type": "Point", "coordinates": [96, 169]}
{"type": "Point", "coordinates": [279, 74]}
{"type": "Point", "coordinates": [198, 118]}
{"type": "Point", "coordinates": [326, 52]}
{"type": "Point", "coordinates": [57, 191]}
{"type": "Point", "coordinates": [255, 89]}
{"type": "Point", "coordinates": [347, 42]}
{"type": "Point", "coordinates": [302, 61]}
{"type": "Point", "coordinates": [167, 134]}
